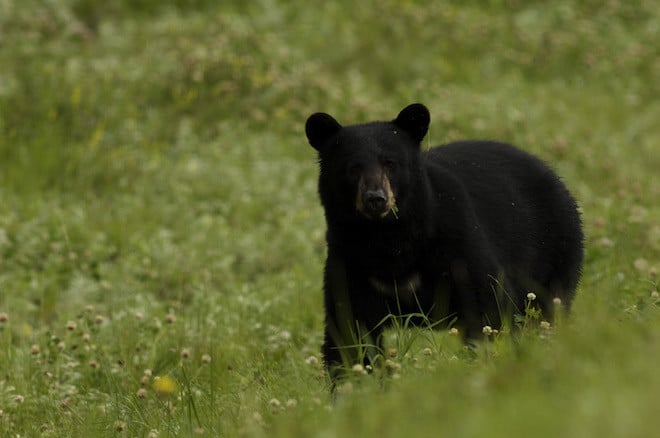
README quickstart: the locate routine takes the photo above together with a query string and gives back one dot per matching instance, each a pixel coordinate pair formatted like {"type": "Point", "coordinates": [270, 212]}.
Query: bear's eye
{"type": "Point", "coordinates": [389, 164]}
{"type": "Point", "coordinates": [354, 171]}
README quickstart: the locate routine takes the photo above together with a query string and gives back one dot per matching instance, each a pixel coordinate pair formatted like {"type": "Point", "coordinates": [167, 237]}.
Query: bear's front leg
{"type": "Point", "coordinates": [348, 338]}
{"type": "Point", "coordinates": [338, 316]}
{"type": "Point", "coordinates": [478, 293]}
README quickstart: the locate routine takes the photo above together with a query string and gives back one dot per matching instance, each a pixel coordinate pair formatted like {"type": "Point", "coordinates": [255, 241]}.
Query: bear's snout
{"type": "Point", "coordinates": [375, 202]}
{"type": "Point", "coordinates": [375, 198]}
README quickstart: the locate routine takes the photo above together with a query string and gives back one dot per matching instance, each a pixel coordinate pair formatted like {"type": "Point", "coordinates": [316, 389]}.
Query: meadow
{"type": "Point", "coordinates": [162, 242]}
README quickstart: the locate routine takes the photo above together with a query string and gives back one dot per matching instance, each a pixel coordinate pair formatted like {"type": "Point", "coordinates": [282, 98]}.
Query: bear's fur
{"type": "Point", "coordinates": [459, 233]}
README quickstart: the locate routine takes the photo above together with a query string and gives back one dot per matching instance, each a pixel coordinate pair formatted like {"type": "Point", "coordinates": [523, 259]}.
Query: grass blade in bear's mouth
{"type": "Point", "coordinates": [394, 209]}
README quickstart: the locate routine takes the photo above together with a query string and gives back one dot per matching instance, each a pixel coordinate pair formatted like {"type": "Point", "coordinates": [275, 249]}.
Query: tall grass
{"type": "Point", "coordinates": [162, 244]}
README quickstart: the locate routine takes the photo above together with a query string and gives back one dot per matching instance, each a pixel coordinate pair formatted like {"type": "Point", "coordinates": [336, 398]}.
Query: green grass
{"type": "Point", "coordinates": [158, 211]}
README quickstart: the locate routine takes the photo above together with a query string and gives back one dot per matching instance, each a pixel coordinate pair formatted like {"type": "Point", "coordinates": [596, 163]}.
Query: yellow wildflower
{"type": "Point", "coordinates": [165, 385]}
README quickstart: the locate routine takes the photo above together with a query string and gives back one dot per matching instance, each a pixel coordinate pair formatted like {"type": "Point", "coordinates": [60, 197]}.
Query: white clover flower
{"type": "Point", "coordinates": [312, 360]}
{"type": "Point", "coordinates": [358, 369]}
{"type": "Point", "coordinates": [391, 365]}
{"type": "Point", "coordinates": [487, 330]}
{"type": "Point", "coordinates": [275, 404]}
{"type": "Point", "coordinates": [641, 264]}
{"type": "Point", "coordinates": [531, 296]}
{"type": "Point", "coordinates": [258, 419]}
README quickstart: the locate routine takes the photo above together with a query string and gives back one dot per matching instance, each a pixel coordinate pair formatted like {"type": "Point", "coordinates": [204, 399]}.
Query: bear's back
{"type": "Point", "coordinates": [496, 170]}
{"type": "Point", "coordinates": [520, 201]}
{"type": "Point", "coordinates": [483, 155]}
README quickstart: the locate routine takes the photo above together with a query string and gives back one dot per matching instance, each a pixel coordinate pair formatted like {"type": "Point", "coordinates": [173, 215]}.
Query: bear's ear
{"type": "Point", "coordinates": [414, 119]}
{"type": "Point", "coordinates": [320, 127]}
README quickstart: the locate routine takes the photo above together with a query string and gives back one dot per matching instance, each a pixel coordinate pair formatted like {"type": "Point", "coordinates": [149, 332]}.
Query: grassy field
{"type": "Point", "coordinates": [162, 243]}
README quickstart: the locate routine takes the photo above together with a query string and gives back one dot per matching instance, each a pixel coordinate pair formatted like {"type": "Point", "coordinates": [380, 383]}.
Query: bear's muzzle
{"type": "Point", "coordinates": [375, 198]}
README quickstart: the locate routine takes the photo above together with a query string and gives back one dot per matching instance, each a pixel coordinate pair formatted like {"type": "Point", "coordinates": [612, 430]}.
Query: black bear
{"type": "Point", "coordinates": [460, 232]}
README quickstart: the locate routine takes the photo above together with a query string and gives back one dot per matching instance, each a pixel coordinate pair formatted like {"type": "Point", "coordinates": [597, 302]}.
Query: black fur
{"type": "Point", "coordinates": [476, 226]}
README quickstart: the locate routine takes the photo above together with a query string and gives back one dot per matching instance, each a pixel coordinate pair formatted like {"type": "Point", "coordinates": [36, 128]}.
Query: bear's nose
{"type": "Point", "coordinates": [375, 201]}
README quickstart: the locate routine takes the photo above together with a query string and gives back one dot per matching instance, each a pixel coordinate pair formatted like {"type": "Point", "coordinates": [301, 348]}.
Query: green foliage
{"type": "Point", "coordinates": [161, 241]}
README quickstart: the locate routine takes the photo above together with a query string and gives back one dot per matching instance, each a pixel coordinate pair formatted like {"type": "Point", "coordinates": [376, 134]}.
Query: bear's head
{"type": "Point", "coordinates": [367, 169]}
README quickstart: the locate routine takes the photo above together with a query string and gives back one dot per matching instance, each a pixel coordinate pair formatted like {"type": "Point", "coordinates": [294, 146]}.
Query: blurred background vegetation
{"type": "Point", "coordinates": [153, 166]}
